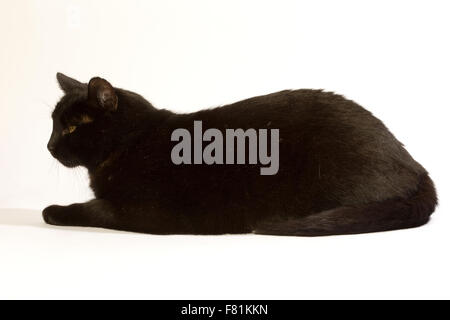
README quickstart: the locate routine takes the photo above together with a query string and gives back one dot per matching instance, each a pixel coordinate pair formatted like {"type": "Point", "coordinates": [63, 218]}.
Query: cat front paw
{"type": "Point", "coordinates": [54, 214]}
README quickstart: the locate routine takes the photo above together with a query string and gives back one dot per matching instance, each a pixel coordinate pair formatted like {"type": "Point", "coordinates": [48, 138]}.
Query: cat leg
{"type": "Point", "coordinates": [94, 213]}
{"type": "Point", "coordinates": [102, 214]}
{"type": "Point", "coordinates": [391, 214]}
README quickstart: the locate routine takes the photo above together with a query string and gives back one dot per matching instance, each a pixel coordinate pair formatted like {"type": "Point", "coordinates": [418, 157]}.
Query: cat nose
{"type": "Point", "coordinates": [51, 147]}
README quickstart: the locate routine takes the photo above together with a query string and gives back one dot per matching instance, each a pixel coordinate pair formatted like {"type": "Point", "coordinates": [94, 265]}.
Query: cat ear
{"type": "Point", "coordinates": [68, 84]}
{"type": "Point", "coordinates": [101, 92]}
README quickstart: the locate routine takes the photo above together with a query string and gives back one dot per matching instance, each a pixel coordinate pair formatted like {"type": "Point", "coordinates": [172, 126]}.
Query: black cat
{"type": "Point", "coordinates": [340, 170]}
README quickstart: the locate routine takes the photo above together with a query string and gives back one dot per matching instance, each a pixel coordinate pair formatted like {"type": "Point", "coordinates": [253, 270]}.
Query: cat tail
{"type": "Point", "coordinates": [391, 214]}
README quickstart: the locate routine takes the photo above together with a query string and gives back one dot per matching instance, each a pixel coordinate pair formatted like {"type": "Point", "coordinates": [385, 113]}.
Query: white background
{"type": "Point", "coordinates": [392, 57]}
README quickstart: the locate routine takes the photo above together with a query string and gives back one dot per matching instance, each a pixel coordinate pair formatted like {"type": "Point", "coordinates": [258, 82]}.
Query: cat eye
{"type": "Point", "coordinates": [70, 129]}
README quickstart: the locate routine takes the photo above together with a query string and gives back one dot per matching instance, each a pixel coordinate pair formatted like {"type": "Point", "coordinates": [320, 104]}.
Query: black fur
{"type": "Point", "coordinates": [341, 171]}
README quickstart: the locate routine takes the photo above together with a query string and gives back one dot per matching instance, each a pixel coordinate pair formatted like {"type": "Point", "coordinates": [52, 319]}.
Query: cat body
{"type": "Point", "coordinates": [340, 170]}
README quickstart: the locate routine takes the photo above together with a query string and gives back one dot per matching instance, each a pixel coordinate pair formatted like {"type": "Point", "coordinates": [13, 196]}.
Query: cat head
{"type": "Point", "coordinates": [84, 121]}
